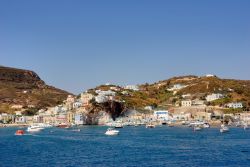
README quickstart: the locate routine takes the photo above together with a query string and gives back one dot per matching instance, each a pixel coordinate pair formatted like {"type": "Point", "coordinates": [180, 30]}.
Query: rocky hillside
{"type": "Point", "coordinates": [25, 88]}
{"type": "Point", "coordinates": [160, 95]}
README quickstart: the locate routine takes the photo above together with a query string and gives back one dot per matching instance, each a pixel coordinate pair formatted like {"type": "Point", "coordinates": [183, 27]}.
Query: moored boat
{"type": "Point", "coordinates": [118, 125]}
{"type": "Point", "coordinates": [150, 125]}
{"type": "Point", "coordinates": [224, 129]}
{"type": "Point", "coordinates": [245, 127]}
{"type": "Point", "coordinates": [63, 126]}
{"type": "Point", "coordinates": [197, 128]}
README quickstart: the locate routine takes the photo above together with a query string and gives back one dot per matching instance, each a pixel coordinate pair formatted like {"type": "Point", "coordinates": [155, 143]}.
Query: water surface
{"type": "Point", "coordinates": [135, 146]}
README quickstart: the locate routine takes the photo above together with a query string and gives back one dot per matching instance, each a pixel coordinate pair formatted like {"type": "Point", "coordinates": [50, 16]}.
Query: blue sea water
{"type": "Point", "coordinates": [135, 146]}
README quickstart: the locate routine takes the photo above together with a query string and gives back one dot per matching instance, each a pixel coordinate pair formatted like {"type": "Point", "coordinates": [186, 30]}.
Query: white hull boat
{"type": "Point", "coordinates": [112, 132]}
{"type": "Point", "coordinates": [34, 129]}
{"type": "Point", "coordinates": [224, 129]}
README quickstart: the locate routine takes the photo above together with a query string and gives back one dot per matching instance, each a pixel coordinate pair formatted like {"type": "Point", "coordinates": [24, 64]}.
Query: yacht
{"type": "Point", "coordinates": [34, 128]}
{"type": "Point", "coordinates": [224, 129]}
{"type": "Point", "coordinates": [111, 132]}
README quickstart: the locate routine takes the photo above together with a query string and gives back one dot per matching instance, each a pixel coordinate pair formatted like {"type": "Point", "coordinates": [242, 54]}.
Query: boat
{"type": "Point", "coordinates": [245, 126]}
{"type": "Point", "coordinates": [76, 130]}
{"type": "Point", "coordinates": [224, 129]}
{"type": "Point", "coordinates": [206, 125]}
{"type": "Point", "coordinates": [19, 132]}
{"type": "Point", "coordinates": [150, 125]}
{"type": "Point", "coordinates": [111, 132]}
{"type": "Point", "coordinates": [63, 126]}
{"type": "Point", "coordinates": [34, 128]}
{"type": "Point", "coordinates": [44, 125]}
{"type": "Point", "coordinates": [197, 128]}
{"type": "Point", "coordinates": [118, 125]}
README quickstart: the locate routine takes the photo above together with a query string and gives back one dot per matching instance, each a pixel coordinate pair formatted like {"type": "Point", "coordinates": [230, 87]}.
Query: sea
{"type": "Point", "coordinates": [134, 146]}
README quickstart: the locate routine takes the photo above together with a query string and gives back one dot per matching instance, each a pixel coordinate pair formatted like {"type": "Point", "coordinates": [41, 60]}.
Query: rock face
{"type": "Point", "coordinates": [24, 87]}
{"type": "Point", "coordinates": [112, 108]}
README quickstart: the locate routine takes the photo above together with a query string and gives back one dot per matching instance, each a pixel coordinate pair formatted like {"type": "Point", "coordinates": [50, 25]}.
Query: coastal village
{"type": "Point", "coordinates": [185, 109]}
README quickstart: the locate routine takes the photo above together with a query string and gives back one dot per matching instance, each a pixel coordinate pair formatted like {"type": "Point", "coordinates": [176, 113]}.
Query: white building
{"type": "Point", "coordinates": [132, 87]}
{"type": "Point", "coordinates": [186, 103]}
{"type": "Point", "coordinates": [85, 98]}
{"type": "Point", "coordinates": [20, 119]}
{"type": "Point", "coordinates": [182, 116]}
{"type": "Point", "coordinates": [198, 102]}
{"type": "Point", "coordinates": [77, 105]}
{"type": "Point", "coordinates": [101, 99]}
{"type": "Point", "coordinates": [210, 75]}
{"type": "Point", "coordinates": [161, 115]}
{"type": "Point", "coordinates": [106, 93]}
{"type": "Point", "coordinates": [234, 105]}
{"type": "Point", "coordinates": [177, 87]}
{"type": "Point", "coordinates": [79, 119]}
{"type": "Point", "coordinates": [214, 96]}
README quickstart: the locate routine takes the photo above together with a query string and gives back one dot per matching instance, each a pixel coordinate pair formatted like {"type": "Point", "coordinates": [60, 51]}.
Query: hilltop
{"type": "Point", "coordinates": [24, 89]}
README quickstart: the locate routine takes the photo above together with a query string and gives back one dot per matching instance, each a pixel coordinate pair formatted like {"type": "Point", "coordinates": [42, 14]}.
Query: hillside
{"type": "Point", "coordinates": [25, 88]}
{"type": "Point", "coordinates": [159, 94]}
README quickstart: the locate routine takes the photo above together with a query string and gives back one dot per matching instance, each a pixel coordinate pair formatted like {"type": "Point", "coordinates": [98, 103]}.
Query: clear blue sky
{"type": "Point", "coordinates": [76, 45]}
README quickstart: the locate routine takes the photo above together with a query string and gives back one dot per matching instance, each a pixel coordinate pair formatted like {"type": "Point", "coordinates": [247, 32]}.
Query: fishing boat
{"type": "Point", "coordinates": [111, 132]}
{"type": "Point", "coordinates": [224, 129]}
{"type": "Point", "coordinates": [19, 132]}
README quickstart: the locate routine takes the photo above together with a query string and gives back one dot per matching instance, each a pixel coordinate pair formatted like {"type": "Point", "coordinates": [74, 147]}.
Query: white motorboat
{"type": "Point", "coordinates": [245, 127]}
{"type": "Point", "coordinates": [111, 132]}
{"type": "Point", "coordinates": [224, 129]}
{"type": "Point", "coordinates": [197, 128]}
{"type": "Point", "coordinates": [34, 128]}
{"type": "Point", "coordinates": [206, 125]}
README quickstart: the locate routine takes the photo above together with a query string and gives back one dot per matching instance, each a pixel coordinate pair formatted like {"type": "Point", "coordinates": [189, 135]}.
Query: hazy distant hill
{"type": "Point", "coordinates": [24, 87]}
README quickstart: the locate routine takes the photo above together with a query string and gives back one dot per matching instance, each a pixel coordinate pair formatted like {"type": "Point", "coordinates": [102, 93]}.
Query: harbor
{"type": "Point", "coordinates": [167, 146]}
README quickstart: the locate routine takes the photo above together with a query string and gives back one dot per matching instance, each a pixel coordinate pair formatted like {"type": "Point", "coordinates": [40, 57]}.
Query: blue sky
{"type": "Point", "coordinates": [76, 45]}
